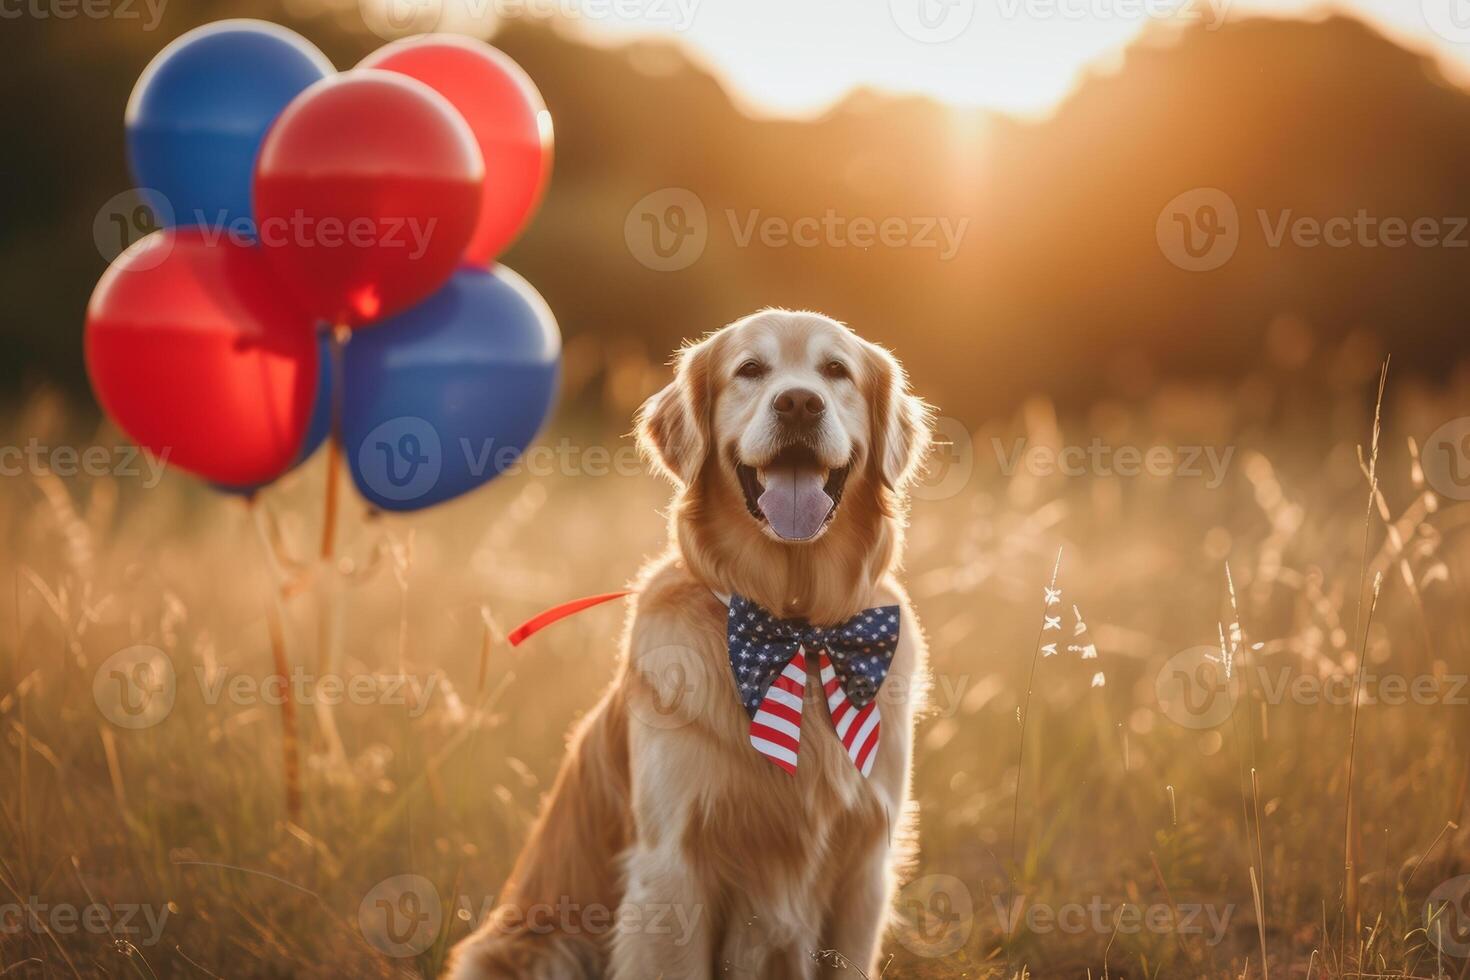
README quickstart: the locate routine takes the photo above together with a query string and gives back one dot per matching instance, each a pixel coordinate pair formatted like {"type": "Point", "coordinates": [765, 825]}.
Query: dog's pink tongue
{"type": "Point", "coordinates": [794, 502]}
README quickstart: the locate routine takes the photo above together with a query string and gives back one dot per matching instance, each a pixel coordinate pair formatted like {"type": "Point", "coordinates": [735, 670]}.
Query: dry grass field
{"type": "Point", "coordinates": [1169, 822]}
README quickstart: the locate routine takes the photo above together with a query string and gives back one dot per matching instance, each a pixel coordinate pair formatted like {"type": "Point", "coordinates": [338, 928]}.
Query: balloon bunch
{"type": "Point", "coordinates": [325, 264]}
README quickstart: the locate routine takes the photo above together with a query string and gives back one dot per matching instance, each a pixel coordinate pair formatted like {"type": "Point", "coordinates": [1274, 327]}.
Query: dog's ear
{"type": "Point", "coordinates": [901, 421]}
{"type": "Point", "coordinates": [673, 426]}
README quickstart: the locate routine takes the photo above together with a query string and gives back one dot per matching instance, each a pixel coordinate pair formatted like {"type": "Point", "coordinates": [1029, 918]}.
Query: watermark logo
{"type": "Point", "coordinates": [667, 230]}
{"type": "Point", "coordinates": [1446, 459]}
{"type": "Point", "coordinates": [679, 922]}
{"type": "Point", "coordinates": [140, 925]}
{"type": "Point", "coordinates": [1099, 459]}
{"type": "Point", "coordinates": [148, 12]}
{"type": "Point", "coordinates": [932, 21]}
{"type": "Point", "coordinates": [1102, 917]}
{"type": "Point", "coordinates": [127, 218]}
{"type": "Point", "coordinates": [1199, 230]}
{"type": "Point", "coordinates": [1447, 916]}
{"type": "Point", "coordinates": [675, 15]}
{"type": "Point", "coordinates": [832, 229]}
{"type": "Point", "coordinates": [135, 688]}
{"type": "Point", "coordinates": [303, 230]}
{"type": "Point", "coordinates": [1197, 688]}
{"type": "Point", "coordinates": [677, 686]}
{"type": "Point", "coordinates": [1360, 230]}
{"type": "Point", "coordinates": [1450, 19]}
{"type": "Point", "coordinates": [38, 458]}
{"type": "Point", "coordinates": [401, 458]}
{"type": "Point", "coordinates": [131, 216]}
{"type": "Point", "coordinates": [138, 688]}
{"type": "Point", "coordinates": [950, 464]}
{"type": "Point", "coordinates": [1211, 15]}
{"type": "Point", "coordinates": [300, 686]}
{"type": "Point", "coordinates": [674, 687]}
{"type": "Point", "coordinates": [935, 915]}
{"type": "Point", "coordinates": [390, 19]}
{"type": "Point", "coordinates": [401, 915]}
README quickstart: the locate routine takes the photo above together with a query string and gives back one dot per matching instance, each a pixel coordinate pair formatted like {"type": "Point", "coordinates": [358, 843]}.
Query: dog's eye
{"type": "Point", "coordinates": [751, 369]}
{"type": "Point", "coordinates": [835, 369]}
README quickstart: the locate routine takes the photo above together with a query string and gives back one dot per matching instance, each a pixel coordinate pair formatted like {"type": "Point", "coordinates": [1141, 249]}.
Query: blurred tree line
{"type": "Point", "coordinates": [1058, 281]}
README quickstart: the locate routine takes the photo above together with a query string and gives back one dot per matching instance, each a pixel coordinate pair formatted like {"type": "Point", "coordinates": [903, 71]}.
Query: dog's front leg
{"type": "Point", "coordinates": [663, 926]}
{"type": "Point", "coordinates": [765, 942]}
{"type": "Point", "coordinates": [859, 916]}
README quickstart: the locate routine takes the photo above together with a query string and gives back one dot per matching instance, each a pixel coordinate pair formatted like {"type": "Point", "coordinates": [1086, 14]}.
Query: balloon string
{"type": "Point", "coordinates": [335, 342]}
{"type": "Point", "coordinates": [329, 517]}
{"type": "Point", "coordinates": [275, 622]}
{"type": "Point", "coordinates": [331, 591]}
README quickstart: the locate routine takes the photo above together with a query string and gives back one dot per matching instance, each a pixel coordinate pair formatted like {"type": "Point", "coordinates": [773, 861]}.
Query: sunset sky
{"type": "Point", "coordinates": [1021, 56]}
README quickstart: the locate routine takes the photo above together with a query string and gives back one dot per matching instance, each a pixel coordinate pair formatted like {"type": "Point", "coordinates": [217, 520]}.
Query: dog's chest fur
{"type": "Point", "coordinates": [750, 827]}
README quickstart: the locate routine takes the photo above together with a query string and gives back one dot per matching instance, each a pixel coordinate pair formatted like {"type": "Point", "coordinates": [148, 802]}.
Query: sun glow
{"type": "Point", "coordinates": [779, 57]}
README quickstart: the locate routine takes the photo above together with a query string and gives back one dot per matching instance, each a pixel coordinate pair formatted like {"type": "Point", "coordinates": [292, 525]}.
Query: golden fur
{"type": "Point", "coordinates": [694, 855]}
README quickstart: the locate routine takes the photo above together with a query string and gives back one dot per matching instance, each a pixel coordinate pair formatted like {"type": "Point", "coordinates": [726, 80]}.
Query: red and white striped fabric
{"type": "Point", "coordinates": [775, 730]}
{"type": "Point", "coordinates": [858, 728]}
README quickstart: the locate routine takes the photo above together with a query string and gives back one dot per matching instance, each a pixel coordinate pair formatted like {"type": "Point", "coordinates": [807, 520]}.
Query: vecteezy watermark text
{"type": "Point", "coordinates": [36, 458]}
{"type": "Point", "coordinates": [394, 18]}
{"type": "Point", "coordinates": [1103, 917]}
{"type": "Point", "coordinates": [1211, 16]}
{"type": "Point", "coordinates": [936, 916]}
{"type": "Point", "coordinates": [1200, 687]}
{"type": "Point", "coordinates": [403, 458]}
{"type": "Point", "coordinates": [834, 230]}
{"type": "Point", "coordinates": [402, 916]}
{"type": "Point", "coordinates": [140, 924]}
{"type": "Point", "coordinates": [150, 12]}
{"type": "Point", "coordinates": [669, 229]}
{"type": "Point", "coordinates": [676, 688]}
{"type": "Point", "coordinates": [1098, 458]}
{"type": "Point", "coordinates": [1200, 230]}
{"type": "Point", "coordinates": [675, 15]}
{"type": "Point", "coordinates": [322, 231]}
{"type": "Point", "coordinates": [132, 215]}
{"type": "Point", "coordinates": [137, 687]}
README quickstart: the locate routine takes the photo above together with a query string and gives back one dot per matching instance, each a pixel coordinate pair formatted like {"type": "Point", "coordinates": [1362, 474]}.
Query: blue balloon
{"type": "Point", "coordinates": [199, 112]}
{"type": "Point", "coordinates": [318, 427]}
{"type": "Point", "coordinates": [445, 396]}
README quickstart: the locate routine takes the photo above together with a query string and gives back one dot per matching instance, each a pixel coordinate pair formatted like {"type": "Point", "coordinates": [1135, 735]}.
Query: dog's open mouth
{"type": "Point", "coordinates": [794, 494]}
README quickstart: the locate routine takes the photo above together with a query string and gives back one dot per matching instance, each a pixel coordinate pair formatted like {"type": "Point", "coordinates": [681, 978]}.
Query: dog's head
{"type": "Point", "coordinates": [788, 431]}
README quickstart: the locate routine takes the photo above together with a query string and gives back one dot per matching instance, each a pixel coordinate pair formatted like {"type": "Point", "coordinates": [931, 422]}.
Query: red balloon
{"type": "Point", "coordinates": [507, 116]}
{"type": "Point", "coordinates": [195, 353]}
{"type": "Point", "coordinates": [366, 192]}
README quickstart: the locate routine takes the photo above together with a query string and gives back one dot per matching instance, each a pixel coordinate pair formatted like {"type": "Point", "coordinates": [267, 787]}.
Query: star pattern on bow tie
{"type": "Point", "coordinates": [768, 659]}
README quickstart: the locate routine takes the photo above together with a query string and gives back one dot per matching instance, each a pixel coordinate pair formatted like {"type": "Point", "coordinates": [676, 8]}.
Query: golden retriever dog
{"type": "Point", "coordinates": [670, 846]}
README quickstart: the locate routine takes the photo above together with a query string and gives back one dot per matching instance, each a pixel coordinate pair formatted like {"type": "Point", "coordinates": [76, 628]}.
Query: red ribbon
{"type": "Point", "coordinates": [542, 620]}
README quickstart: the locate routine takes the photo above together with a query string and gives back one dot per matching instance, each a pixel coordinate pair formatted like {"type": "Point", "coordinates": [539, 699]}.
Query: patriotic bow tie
{"type": "Point", "coordinates": [769, 658]}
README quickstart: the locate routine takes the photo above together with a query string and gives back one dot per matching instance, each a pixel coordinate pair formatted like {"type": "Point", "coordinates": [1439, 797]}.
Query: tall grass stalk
{"type": "Point", "coordinates": [1350, 888]}
{"type": "Point", "coordinates": [1351, 911]}
{"type": "Point", "coordinates": [1049, 599]}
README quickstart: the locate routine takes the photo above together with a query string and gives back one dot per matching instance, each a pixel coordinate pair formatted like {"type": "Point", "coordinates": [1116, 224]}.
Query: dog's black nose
{"type": "Point", "coordinates": [799, 406]}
